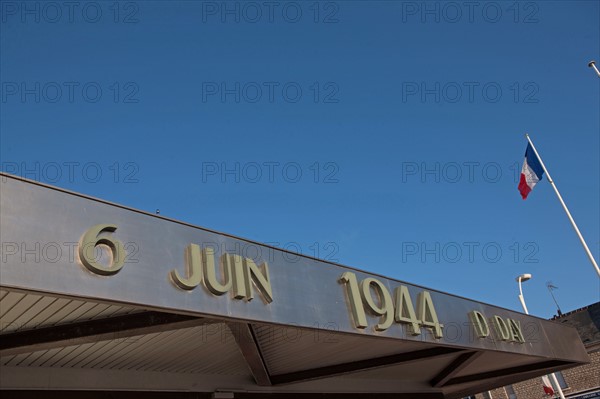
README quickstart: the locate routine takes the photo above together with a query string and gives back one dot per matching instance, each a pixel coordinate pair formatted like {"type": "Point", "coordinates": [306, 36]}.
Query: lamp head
{"type": "Point", "coordinates": [523, 277]}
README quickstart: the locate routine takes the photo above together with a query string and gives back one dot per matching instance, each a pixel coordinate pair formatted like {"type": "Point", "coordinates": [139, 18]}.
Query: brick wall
{"type": "Point", "coordinates": [584, 377]}
{"type": "Point", "coordinates": [578, 379]}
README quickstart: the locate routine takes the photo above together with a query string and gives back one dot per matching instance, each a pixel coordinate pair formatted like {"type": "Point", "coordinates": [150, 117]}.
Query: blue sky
{"type": "Point", "coordinates": [384, 135]}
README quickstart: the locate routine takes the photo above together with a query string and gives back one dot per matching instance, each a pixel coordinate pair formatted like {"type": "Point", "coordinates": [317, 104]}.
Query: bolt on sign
{"type": "Point", "coordinates": [239, 275]}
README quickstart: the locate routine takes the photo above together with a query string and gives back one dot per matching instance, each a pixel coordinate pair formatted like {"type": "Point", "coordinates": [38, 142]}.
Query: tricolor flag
{"type": "Point", "coordinates": [531, 173]}
{"type": "Point", "coordinates": [548, 390]}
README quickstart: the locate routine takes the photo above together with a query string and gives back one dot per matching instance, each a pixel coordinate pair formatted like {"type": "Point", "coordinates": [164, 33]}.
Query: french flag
{"type": "Point", "coordinates": [547, 386]}
{"type": "Point", "coordinates": [531, 173]}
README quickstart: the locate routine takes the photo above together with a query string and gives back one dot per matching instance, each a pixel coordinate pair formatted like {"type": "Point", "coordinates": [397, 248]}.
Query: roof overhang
{"type": "Point", "coordinates": [160, 305]}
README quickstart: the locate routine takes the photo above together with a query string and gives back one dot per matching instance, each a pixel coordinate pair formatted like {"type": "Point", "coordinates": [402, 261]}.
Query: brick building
{"type": "Point", "coordinates": [581, 382]}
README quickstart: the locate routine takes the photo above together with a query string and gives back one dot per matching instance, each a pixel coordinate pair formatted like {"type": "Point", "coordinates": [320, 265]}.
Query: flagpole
{"type": "Point", "coordinates": [592, 64]}
{"type": "Point", "coordinates": [587, 250]}
{"type": "Point", "coordinates": [520, 279]}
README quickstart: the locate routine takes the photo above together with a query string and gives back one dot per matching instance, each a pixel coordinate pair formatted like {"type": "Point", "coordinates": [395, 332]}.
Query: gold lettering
{"type": "Point", "coordinates": [501, 328]}
{"type": "Point", "coordinates": [193, 267]}
{"type": "Point", "coordinates": [386, 309]}
{"type": "Point", "coordinates": [239, 285]}
{"type": "Point", "coordinates": [480, 324]}
{"type": "Point", "coordinates": [356, 305]}
{"type": "Point", "coordinates": [252, 273]}
{"type": "Point", "coordinates": [210, 274]}
{"type": "Point", "coordinates": [515, 331]}
{"type": "Point", "coordinates": [237, 273]}
{"type": "Point", "coordinates": [427, 314]}
{"type": "Point", "coordinates": [405, 311]}
{"type": "Point", "coordinates": [90, 239]}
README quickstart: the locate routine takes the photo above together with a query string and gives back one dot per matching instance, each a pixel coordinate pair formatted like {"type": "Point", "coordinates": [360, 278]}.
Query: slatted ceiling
{"type": "Point", "coordinates": [179, 351]}
{"type": "Point", "coordinates": [9, 300]}
{"type": "Point", "coordinates": [88, 354]}
{"type": "Point", "coordinates": [59, 358]}
{"type": "Point", "coordinates": [98, 311]}
{"type": "Point", "coordinates": [17, 305]}
{"type": "Point", "coordinates": [57, 312]}
{"type": "Point", "coordinates": [75, 356]}
{"type": "Point", "coordinates": [220, 355]}
{"type": "Point", "coordinates": [20, 311]}
{"type": "Point", "coordinates": [123, 350]}
{"type": "Point", "coordinates": [183, 365]}
{"type": "Point", "coordinates": [416, 370]}
{"type": "Point", "coordinates": [492, 361]}
{"type": "Point", "coordinates": [151, 351]}
{"type": "Point", "coordinates": [45, 314]}
{"type": "Point", "coordinates": [7, 359]}
{"type": "Point", "coordinates": [13, 360]}
{"type": "Point", "coordinates": [120, 350]}
{"type": "Point", "coordinates": [49, 358]}
{"type": "Point", "coordinates": [30, 358]}
{"type": "Point", "coordinates": [140, 355]}
{"type": "Point", "coordinates": [298, 349]}
{"type": "Point", "coordinates": [27, 318]}
{"type": "Point", "coordinates": [183, 352]}
{"type": "Point", "coordinates": [166, 355]}
{"type": "Point", "coordinates": [183, 356]}
{"type": "Point", "coordinates": [98, 356]}
{"type": "Point", "coordinates": [194, 349]}
{"type": "Point", "coordinates": [82, 312]}
{"type": "Point", "coordinates": [34, 358]}
{"type": "Point", "coordinates": [38, 359]}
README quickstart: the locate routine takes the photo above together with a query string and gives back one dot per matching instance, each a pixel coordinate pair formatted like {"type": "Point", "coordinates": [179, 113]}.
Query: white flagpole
{"type": "Point", "coordinates": [592, 64]}
{"type": "Point", "coordinates": [587, 250]}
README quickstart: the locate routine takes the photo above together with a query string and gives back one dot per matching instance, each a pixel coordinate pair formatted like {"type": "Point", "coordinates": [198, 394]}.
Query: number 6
{"type": "Point", "coordinates": [90, 240]}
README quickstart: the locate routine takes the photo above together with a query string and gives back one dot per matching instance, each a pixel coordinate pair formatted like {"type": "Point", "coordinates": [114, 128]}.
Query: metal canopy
{"type": "Point", "coordinates": [65, 328]}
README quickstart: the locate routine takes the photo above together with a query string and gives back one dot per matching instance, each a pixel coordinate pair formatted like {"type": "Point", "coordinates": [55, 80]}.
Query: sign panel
{"type": "Point", "coordinates": [63, 243]}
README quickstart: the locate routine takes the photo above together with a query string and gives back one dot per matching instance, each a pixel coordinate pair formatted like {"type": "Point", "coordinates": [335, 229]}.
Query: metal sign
{"type": "Point", "coordinates": [63, 243]}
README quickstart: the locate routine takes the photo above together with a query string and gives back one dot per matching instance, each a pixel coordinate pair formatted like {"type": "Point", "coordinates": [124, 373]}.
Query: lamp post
{"type": "Point", "coordinates": [520, 279]}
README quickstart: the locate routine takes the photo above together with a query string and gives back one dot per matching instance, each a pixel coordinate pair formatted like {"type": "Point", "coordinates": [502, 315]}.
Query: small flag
{"type": "Point", "coordinates": [531, 173]}
{"type": "Point", "coordinates": [548, 390]}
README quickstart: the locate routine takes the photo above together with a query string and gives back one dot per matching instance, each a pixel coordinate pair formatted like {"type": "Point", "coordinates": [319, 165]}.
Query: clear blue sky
{"type": "Point", "coordinates": [406, 121]}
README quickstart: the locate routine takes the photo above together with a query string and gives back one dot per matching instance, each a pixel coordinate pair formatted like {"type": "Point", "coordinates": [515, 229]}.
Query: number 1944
{"type": "Point", "coordinates": [398, 308]}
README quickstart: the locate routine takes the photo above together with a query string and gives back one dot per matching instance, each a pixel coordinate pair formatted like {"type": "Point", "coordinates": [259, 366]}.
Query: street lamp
{"type": "Point", "coordinates": [523, 278]}
{"type": "Point", "coordinates": [520, 279]}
